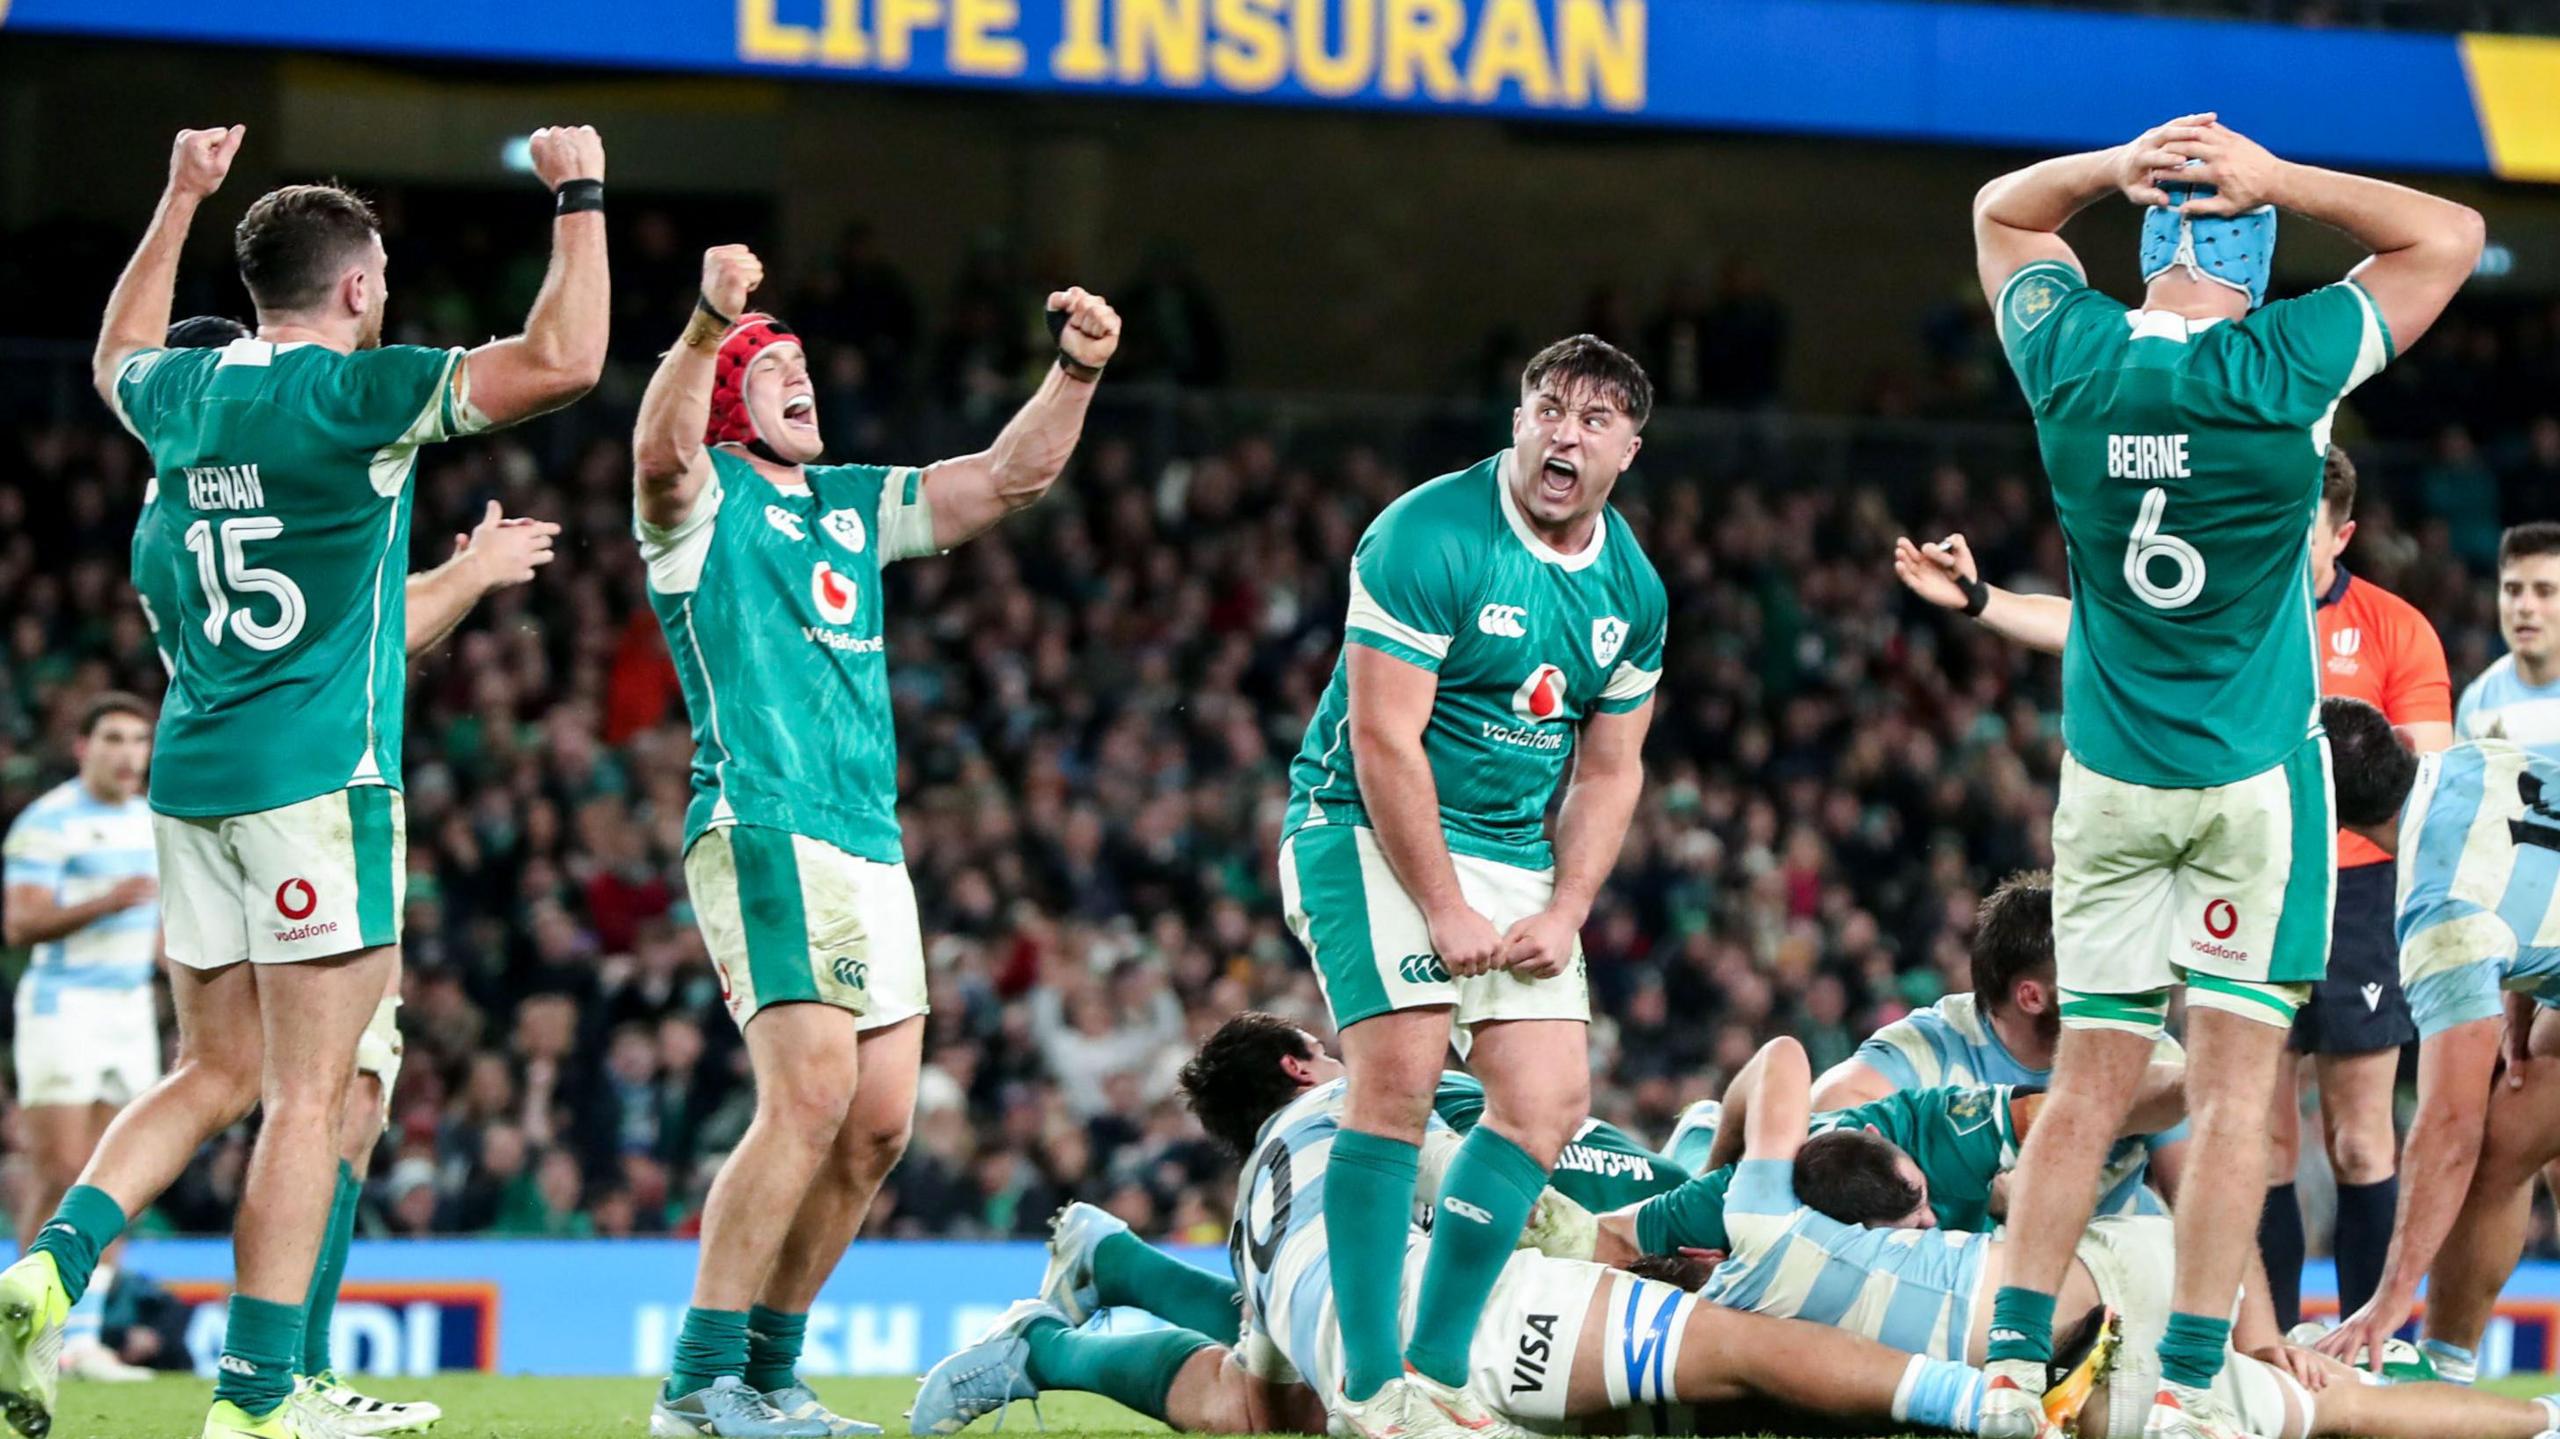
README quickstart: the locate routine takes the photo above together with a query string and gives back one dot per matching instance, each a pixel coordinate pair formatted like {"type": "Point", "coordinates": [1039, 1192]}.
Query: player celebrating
{"type": "Point", "coordinates": [84, 892]}
{"type": "Point", "coordinates": [283, 467]}
{"type": "Point", "coordinates": [1502, 622]}
{"type": "Point", "coordinates": [2192, 837]}
{"type": "Point", "coordinates": [765, 571]}
{"type": "Point", "coordinates": [2378, 648]}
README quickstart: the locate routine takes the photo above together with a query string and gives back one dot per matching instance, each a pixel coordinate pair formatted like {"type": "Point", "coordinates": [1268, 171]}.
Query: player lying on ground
{"type": "Point", "coordinates": [2379, 648]}
{"type": "Point", "coordinates": [765, 569]}
{"type": "Point", "coordinates": [2480, 835]}
{"type": "Point", "coordinates": [1837, 1228]}
{"type": "Point", "coordinates": [1561, 1340]}
{"type": "Point", "coordinates": [2003, 1032]}
{"type": "Point", "coordinates": [284, 465]}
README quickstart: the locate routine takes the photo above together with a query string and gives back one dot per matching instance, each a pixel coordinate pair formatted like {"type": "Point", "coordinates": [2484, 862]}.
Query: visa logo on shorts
{"type": "Point", "coordinates": [1537, 1351]}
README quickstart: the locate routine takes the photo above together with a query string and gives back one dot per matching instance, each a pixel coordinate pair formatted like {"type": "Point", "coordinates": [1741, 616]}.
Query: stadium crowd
{"type": "Point", "coordinates": [1096, 709]}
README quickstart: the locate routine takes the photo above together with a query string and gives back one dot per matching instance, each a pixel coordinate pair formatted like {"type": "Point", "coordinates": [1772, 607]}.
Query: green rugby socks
{"type": "Point", "coordinates": [2192, 1348]}
{"type": "Point", "coordinates": [81, 1228]}
{"type": "Point", "coordinates": [1137, 1370]}
{"type": "Point", "coordinates": [1368, 1207]}
{"type": "Point", "coordinates": [261, 1342]}
{"type": "Point", "coordinates": [1129, 1271]}
{"type": "Point", "coordinates": [773, 1348]}
{"type": "Point", "coordinates": [1484, 1202]}
{"type": "Point", "coordinates": [713, 1342]}
{"type": "Point", "coordinates": [320, 1303]}
{"type": "Point", "coordinates": [2021, 1336]}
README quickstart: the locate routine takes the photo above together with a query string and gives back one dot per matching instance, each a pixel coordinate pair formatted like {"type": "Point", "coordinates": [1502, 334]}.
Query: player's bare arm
{"type": "Point", "coordinates": [1390, 706]}
{"type": "Point", "coordinates": [138, 309]}
{"type": "Point", "coordinates": [2018, 218]}
{"type": "Point", "coordinates": [2455, 1070]}
{"type": "Point", "coordinates": [973, 492]}
{"type": "Point", "coordinates": [560, 355]}
{"type": "Point", "coordinates": [1852, 1081]}
{"type": "Point", "coordinates": [1944, 574]}
{"type": "Point", "coordinates": [1781, 1101]}
{"type": "Point", "coordinates": [669, 462]}
{"type": "Point", "coordinates": [502, 550]}
{"type": "Point", "coordinates": [2424, 246]}
{"type": "Point", "coordinates": [34, 917]}
{"type": "Point", "coordinates": [1599, 799]}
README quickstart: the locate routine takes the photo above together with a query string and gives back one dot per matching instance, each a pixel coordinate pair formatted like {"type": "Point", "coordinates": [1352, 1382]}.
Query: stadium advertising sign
{"type": "Point", "coordinates": [612, 1306]}
{"type": "Point", "coordinates": [1897, 68]}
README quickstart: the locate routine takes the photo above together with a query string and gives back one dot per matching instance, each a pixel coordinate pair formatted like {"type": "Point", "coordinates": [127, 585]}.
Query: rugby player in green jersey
{"type": "Point", "coordinates": [764, 568]}
{"type": "Point", "coordinates": [1504, 627]}
{"type": "Point", "coordinates": [283, 465]}
{"type": "Point", "coordinates": [2192, 838]}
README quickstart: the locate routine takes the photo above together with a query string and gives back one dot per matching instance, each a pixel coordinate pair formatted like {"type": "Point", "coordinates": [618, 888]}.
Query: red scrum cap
{"type": "Point", "coordinates": [748, 336]}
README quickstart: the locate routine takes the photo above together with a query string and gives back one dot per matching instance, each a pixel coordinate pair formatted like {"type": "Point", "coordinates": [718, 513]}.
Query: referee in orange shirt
{"type": "Point", "coordinates": [2376, 647]}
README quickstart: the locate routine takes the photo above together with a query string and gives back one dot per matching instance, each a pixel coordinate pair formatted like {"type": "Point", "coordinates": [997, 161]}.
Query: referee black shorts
{"type": "Point", "coordinates": [2359, 1008]}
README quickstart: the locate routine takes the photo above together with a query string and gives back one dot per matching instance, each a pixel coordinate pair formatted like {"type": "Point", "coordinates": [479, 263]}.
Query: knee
{"type": "Point", "coordinates": [809, 1104]}
{"type": "Point", "coordinates": [866, 1152]}
{"type": "Point", "coordinates": [1544, 1120]}
{"type": "Point", "coordinates": [2363, 1152]}
{"type": "Point", "coordinates": [223, 1087]}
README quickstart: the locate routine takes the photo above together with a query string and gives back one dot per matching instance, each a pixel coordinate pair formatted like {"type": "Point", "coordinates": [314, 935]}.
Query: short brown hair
{"type": "Point", "coordinates": [1589, 360]}
{"type": "Point", "coordinates": [2537, 537]}
{"type": "Point", "coordinates": [2338, 485]}
{"type": "Point", "coordinates": [108, 703]}
{"type": "Point", "coordinates": [295, 241]}
{"type": "Point", "coordinates": [2012, 937]}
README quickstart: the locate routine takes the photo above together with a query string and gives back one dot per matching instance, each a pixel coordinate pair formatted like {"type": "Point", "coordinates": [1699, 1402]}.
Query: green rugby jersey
{"type": "Point", "coordinates": [283, 498]}
{"type": "Point", "coordinates": [1602, 1168]}
{"type": "Point", "coordinates": [1527, 642]}
{"type": "Point", "coordinates": [1961, 1136]}
{"type": "Point", "coordinates": [770, 599]}
{"type": "Point", "coordinates": [2185, 460]}
{"type": "Point", "coordinates": [155, 576]}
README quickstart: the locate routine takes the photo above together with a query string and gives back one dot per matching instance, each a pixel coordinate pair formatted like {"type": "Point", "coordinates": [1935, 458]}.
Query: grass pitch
{"type": "Point", "coordinates": [483, 1406]}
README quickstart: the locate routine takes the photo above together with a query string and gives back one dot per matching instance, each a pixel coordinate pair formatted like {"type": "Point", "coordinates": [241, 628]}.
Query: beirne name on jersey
{"type": "Point", "coordinates": [283, 492]}
{"type": "Point", "coordinates": [2185, 458]}
{"type": "Point", "coordinates": [770, 599]}
{"type": "Point", "coordinates": [1526, 643]}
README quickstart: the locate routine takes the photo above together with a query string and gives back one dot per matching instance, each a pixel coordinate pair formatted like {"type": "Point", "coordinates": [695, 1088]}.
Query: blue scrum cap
{"type": "Point", "coordinates": [2238, 250]}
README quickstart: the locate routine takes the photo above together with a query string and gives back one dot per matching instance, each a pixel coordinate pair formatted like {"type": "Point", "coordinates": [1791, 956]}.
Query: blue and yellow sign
{"type": "Point", "coordinates": [1974, 74]}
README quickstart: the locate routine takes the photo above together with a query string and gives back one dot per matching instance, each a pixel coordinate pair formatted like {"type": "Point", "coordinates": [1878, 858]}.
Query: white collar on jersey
{"type": "Point", "coordinates": [2165, 325]}
{"type": "Point", "coordinates": [1503, 475]}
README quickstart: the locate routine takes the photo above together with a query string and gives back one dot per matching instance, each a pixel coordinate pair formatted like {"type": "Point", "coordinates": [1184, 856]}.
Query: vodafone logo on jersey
{"type": "Point", "coordinates": [1540, 698]}
{"type": "Point", "coordinates": [837, 597]}
{"type": "Point", "coordinates": [295, 899]}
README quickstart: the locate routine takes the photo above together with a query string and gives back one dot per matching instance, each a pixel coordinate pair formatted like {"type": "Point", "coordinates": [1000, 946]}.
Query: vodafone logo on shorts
{"type": "Point", "coordinates": [836, 596]}
{"type": "Point", "coordinates": [2221, 918]}
{"type": "Point", "coordinates": [295, 899]}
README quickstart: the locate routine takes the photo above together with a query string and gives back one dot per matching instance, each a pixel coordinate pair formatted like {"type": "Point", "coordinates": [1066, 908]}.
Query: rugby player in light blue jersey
{"type": "Point", "coordinates": [1837, 1228]}
{"type": "Point", "coordinates": [2517, 698]}
{"type": "Point", "coordinates": [2477, 829]}
{"type": "Point", "coordinates": [2004, 1032]}
{"type": "Point", "coordinates": [1533, 1360]}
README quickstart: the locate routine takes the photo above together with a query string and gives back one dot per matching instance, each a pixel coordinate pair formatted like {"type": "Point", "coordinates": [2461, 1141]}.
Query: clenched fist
{"type": "Point", "coordinates": [199, 159]}
{"type": "Point", "coordinates": [730, 273]}
{"type": "Point", "coordinates": [1092, 331]}
{"type": "Point", "coordinates": [567, 152]}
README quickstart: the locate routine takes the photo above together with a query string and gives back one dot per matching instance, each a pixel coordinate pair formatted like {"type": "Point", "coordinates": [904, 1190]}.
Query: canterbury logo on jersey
{"type": "Point", "coordinates": [1422, 969]}
{"type": "Point", "coordinates": [1503, 621]}
{"type": "Point", "coordinates": [785, 521]}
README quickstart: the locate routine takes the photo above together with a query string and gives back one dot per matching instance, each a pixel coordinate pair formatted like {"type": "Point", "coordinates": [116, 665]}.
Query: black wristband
{"type": "Point", "coordinates": [1976, 595]}
{"type": "Point", "coordinates": [579, 196]}
{"type": "Point", "coordinates": [1076, 369]}
{"type": "Point", "coordinates": [703, 304]}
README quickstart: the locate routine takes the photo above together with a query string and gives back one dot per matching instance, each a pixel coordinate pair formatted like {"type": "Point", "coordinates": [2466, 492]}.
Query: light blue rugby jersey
{"type": "Point", "coordinates": [1278, 1243]}
{"type": "Point", "coordinates": [2479, 864]}
{"type": "Point", "coordinates": [1952, 1042]}
{"type": "Point", "coordinates": [1908, 1289]}
{"type": "Point", "coordinates": [2500, 705]}
{"type": "Point", "coordinates": [75, 846]}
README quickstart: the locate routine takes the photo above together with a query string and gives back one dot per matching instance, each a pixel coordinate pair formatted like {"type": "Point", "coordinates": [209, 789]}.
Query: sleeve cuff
{"type": "Point", "coordinates": [1397, 649]}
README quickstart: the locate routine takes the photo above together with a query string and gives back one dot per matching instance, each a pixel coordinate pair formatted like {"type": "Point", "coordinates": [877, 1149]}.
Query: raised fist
{"type": "Point", "coordinates": [567, 152]}
{"type": "Point", "coordinates": [1092, 332]}
{"type": "Point", "coordinates": [199, 159]}
{"type": "Point", "coordinates": [730, 273]}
